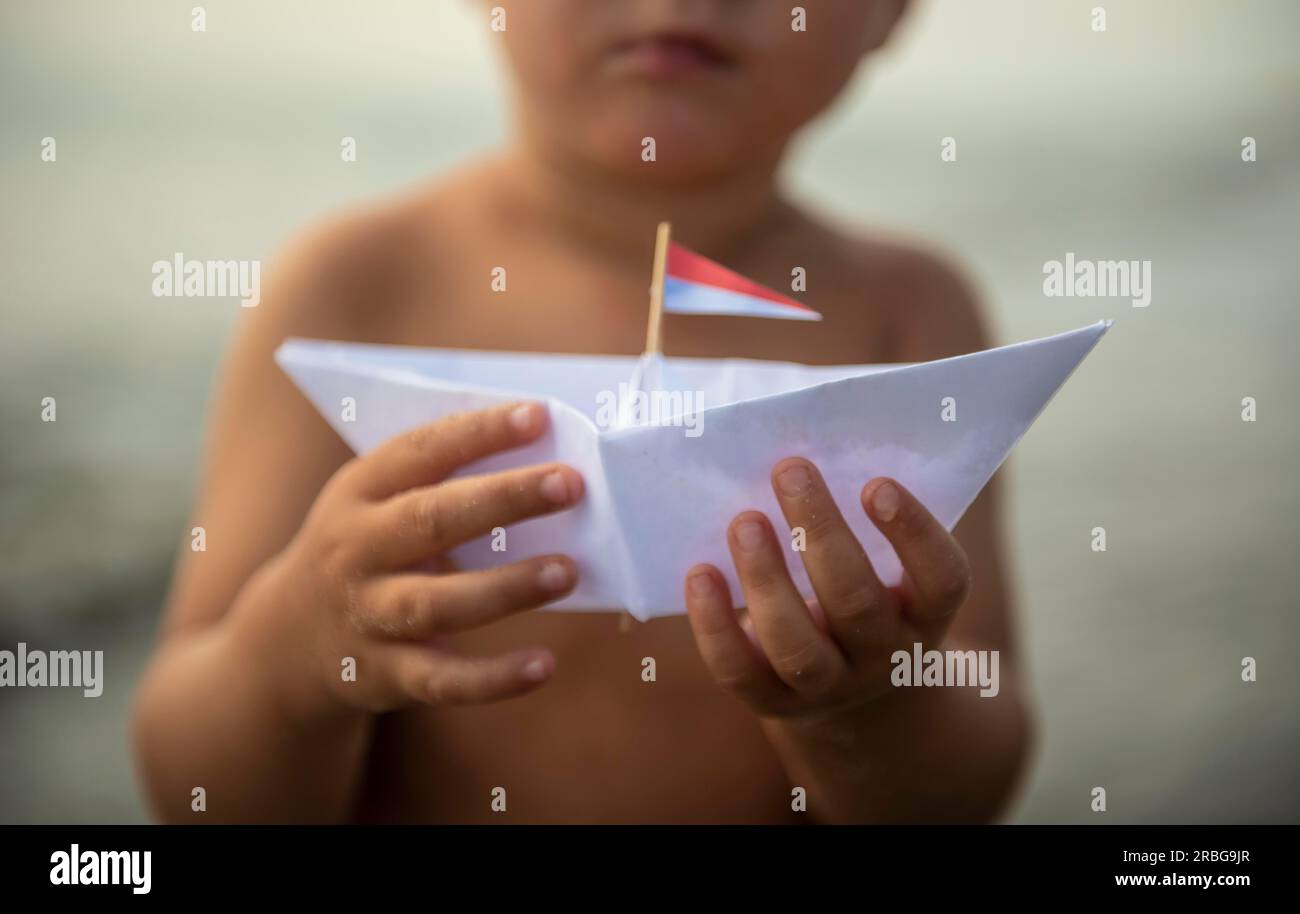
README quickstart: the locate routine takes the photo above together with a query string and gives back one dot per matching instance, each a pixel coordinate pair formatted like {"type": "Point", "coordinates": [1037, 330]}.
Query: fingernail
{"type": "Point", "coordinates": [524, 417]}
{"type": "Point", "coordinates": [885, 501]}
{"type": "Point", "coordinates": [535, 670]}
{"type": "Point", "coordinates": [554, 576]}
{"type": "Point", "coordinates": [701, 584]}
{"type": "Point", "coordinates": [749, 535]}
{"type": "Point", "coordinates": [794, 480]}
{"type": "Point", "coordinates": [555, 488]}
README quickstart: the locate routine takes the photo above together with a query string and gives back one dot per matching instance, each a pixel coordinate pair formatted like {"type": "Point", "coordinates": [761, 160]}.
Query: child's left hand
{"type": "Point", "coordinates": [790, 658]}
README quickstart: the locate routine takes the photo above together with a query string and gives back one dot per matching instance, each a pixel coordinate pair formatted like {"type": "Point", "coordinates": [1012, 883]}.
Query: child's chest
{"type": "Point", "coordinates": [521, 301]}
{"type": "Point", "coordinates": [602, 741]}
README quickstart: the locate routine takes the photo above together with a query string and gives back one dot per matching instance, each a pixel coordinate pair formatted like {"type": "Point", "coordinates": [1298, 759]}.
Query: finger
{"type": "Point", "coordinates": [432, 452]}
{"type": "Point", "coordinates": [421, 606]}
{"type": "Point", "coordinates": [421, 522]}
{"type": "Point", "coordinates": [804, 658]}
{"type": "Point", "coordinates": [439, 678]}
{"type": "Point", "coordinates": [858, 608]}
{"type": "Point", "coordinates": [938, 574]}
{"type": "Point", "coordinates": [728, 654]}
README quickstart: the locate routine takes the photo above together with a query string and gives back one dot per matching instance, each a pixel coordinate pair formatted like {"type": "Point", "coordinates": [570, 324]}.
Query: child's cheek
{"type": "Point", "coordinates": [797, 77]}
{"type": "Point", "coordinates": [543, 64]}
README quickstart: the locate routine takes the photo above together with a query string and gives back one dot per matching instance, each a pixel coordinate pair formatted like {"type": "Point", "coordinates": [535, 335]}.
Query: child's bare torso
{"type": "Point", "coordinates": [597, 743]}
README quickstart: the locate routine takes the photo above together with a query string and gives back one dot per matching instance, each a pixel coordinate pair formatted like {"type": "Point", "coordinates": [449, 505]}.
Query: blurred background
{"type": "Point", "coordinates": [1124, 144]}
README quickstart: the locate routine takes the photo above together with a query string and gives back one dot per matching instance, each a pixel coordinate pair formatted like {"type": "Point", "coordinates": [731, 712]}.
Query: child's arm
{"type": "Point", "coordinates": [864, 749]}
{"type": "Point", "coordinates": [308, 562]}
{"type": "Point", "coordinates": [256, 708]}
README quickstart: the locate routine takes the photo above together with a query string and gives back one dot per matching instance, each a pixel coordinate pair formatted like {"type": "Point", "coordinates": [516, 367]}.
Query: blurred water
{"type": "Point", "coordinates": [1123, 144]}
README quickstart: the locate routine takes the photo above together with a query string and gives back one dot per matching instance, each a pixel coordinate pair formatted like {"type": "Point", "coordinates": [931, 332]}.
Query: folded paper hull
{"type": "Point", "coordinates": [659, 499]}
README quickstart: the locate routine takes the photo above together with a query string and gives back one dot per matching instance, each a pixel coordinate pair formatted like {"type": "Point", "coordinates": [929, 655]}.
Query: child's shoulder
{"type": "Point", "coordinates": [918, 294]}
{"type": "Point", "coordinates": [351, 273]}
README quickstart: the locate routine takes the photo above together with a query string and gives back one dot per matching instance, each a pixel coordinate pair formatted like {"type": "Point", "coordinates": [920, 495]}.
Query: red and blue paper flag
{"type": "Point", "coordinates": [697, 285]}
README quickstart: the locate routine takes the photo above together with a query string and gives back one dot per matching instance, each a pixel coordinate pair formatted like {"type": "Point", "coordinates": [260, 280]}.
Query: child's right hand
{"type": "Point", "coordinates": [356, 581]}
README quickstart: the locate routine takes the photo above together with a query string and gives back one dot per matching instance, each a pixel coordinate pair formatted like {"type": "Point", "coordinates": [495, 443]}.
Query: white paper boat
{"type": "Point", "coordinates": [659, 499]}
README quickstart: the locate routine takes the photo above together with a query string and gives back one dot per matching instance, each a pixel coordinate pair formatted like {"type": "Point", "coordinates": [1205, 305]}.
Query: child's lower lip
{"type": "Point", "coordinates": [663, 58]}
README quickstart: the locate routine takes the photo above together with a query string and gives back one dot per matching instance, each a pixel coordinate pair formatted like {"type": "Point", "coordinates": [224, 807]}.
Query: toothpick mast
{"type": "Point", "coordinates": [653, 333]}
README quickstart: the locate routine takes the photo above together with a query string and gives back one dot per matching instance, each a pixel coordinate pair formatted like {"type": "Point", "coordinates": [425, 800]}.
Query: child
{"type": "Point", "coordinates": [468, 706]}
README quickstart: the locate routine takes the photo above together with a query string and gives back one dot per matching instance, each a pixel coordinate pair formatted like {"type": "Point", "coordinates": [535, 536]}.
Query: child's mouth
{"type": "Point", "coordinates": [667, 55]}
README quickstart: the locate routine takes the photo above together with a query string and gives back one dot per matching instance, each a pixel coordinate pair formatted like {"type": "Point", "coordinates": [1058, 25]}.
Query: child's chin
{"type": "Point", "coordinates": [680, 152]}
